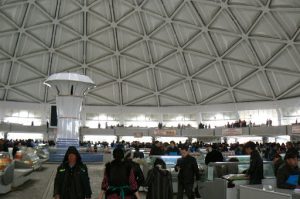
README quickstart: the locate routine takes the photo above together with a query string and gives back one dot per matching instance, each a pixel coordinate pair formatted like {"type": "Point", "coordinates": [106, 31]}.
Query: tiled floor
{"type": "Point", "coordinates": [41, 184]}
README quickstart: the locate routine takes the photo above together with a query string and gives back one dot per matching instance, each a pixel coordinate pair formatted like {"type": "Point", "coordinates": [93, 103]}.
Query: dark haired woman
{"type": "Point", "coordinates": [119, 181]}
{"type": "Point", "coordinates": [72, 179]}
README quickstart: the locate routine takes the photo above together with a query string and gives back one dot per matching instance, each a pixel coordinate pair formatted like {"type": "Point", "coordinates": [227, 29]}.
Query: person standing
{"type": "Point", "coordinates": [159, 181]}
{"type": "Point", "coordinates": [119, 181]}
{"type": "Point", "coordinates": [188, 171]}
{"type": "Point", "coordinates": [72, 179]}
{"type": "Point", "coordinates": [256, 170]}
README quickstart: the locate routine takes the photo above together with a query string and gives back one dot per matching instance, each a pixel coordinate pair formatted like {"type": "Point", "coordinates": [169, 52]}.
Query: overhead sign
{"type": "Point", "coordinates": [295, 129]}
{"type": "Point", "coordinates": [232, 131]}
{"type": "Point", "coordinates": [138, 134]}
{"type": "Point", "coordinates": [162, 132]}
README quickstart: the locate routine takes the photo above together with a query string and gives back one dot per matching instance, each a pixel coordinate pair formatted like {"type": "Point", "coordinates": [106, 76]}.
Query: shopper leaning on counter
{"type": "Point", "coordinates": [256, 170]}
{"type": "Point", "coordinates": [288, 173]}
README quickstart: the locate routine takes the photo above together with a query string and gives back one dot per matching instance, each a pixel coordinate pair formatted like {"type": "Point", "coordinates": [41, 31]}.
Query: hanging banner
{"type": "Point", "coordinates": [232, 131]}
{"type": "Point", "coordinates": [295, 129]}
{"type": "Point", "coordinates": [162, 132]}
{"type": "Point", "coordinates": [138, 134]}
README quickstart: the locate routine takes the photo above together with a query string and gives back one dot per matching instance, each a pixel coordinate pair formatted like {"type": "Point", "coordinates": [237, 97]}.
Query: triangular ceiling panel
{"type": "Point", "coordinates": [74, 51]}
{"type": "Point", "coordinates": [243, 53]}
{"type": "Point", "coordinates": [94, 24]}
{"type": "Point", "coordinates": [108, 66]}
{"type": "Point", "coordinates": [95, 52]}
{"type": "Point", "coordinates": [256, 84]}
{"type": "Point", "coordinates": [102, 9]}
{"type": "Point", "coordinates": [28, 45]}
{"type": "Point", "coordinates": [172, 5]}
{"type": "Point", "coordinates": [293, 93]}
{"type": "Point", "coordinates": [182, 91]}
{"type": "Point", "coordinates": [267, 27]}
{"type": "Point", "coordinates": [110, 92]}
{"type": "Point", "coordinates": [282, 82]}
{"type": "Point", "coordinates": [244, 97]}
{"type": "Point", "coordinates": [105, 38]}
{"type": "Point", "coordinates": [15, 96]}
{"type": "Point", "coordinates": [213, 74]}
{"type": "Point", "coordinates": [165, 34]}
{"type": "Point", "coordinates": [5, 25]}
{"type": "Point", "coordinates": [48, 6]}
{"type": "Point", "coordinates": [128, 66]}
{"type": "Point", "coordinates": [151, 22]}
{"type": "Point", "coordinates": [207, 11]}
{"type": "Point", "coordinates": [160, 51]}
{"type": "Point", "coordinates": [7, 43]}
{"type": "Point", "coordinates": [38, 62]}
{"type": "Point", "coordinates": [201, 44]}
{"type": "Point", "coordinates": [244, 2]}
{"type": "Point", "coordinates": [154, 6]}
{"type": "Point", "coordinates": [125, 39]}
{"type": "Point", "coordinates": [36, 89]}
{"type": "Point", "coordinates": [144, 79]}
{"type": "Point", "coordinates": [288, 60]}
{"type": "Point", "coordinates": [20, 74]}
{"type": "Point", "coordinates": [236, 72]}
{"type": "Point", "coordinates": [68, 7]}
{"type": "Point", "coordinates": [265, 50]}
{"type": "Point", "coordinates": [43, 33]}
{"type": "Point", "coordinates": [93, 101]}
{"type": "Point", "coordinates": [286, 3]}
{"type": "Point", "coordinates": [35, 16]}
{"type": "Point", "coordinates": [98, 78]}
{"type": "Point", "coordinates": [147, 102]}
{"type": "Point", "coordinates": [223, 22]}
{"type": "Point", "coordinates": [169, 101]}
{"type": "Point", "coordinates": [72, 22]}
{"type": "Point", "coordinates": [222, 99]}
{"type": "Point", "coordinates": [121, 9]}
{"type": "Point", "coordinates": [245, 17]}
{"type": "Point", "coordinates": [186, 15]}
{"type": "Point", "coordinates": [64, 36]}
{"type": "Point", "coordinates": [60, 64]}
{"type": "Point", "coordinates": [132, 23]}
{"type": "Point", "coordinates": [130, 93]}
{"type": "Point", "coordinates": [15, 13]}
{"type": "Point", "coordinates": [4, 71]}
{"type": "Point", "coordinates": [174, 63]}
{"type": "Point", "coordinates": [184, 33]}
{"type": "Point", "coordinates": [139, 52]}
{"type": "Point", "coordinates": [203, 91]}
{"type": "Point", "coordinates": [223, 41]}
{"type": "Point", "coordinates": [165, 79]}
{"type": "Point", "coordinates": [196, 63]}
{"type": "Point", "coordinates": [293, 19]}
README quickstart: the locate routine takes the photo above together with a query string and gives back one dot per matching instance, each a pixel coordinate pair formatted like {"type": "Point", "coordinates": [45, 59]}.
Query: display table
{"type": "Point", "coordinates": [258, 191]}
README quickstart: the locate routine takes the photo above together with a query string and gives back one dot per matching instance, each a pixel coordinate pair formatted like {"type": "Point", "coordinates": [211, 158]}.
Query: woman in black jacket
{"type": "Point", "coordinates": [159, 181]}
{"type": "Point", "coordinates": [72, 179]}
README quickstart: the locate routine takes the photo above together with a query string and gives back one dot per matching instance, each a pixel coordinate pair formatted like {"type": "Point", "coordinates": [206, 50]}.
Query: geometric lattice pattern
{"type": "Point", "coordinates": [152, 52]}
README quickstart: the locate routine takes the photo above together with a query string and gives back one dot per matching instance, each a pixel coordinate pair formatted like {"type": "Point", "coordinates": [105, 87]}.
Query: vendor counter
{"type": "Point", "coordinates": [266, 192]}
{"type": "Point", "coordinates": [224, 179]}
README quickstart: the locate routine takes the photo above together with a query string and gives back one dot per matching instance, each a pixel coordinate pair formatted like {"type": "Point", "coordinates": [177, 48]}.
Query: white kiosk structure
{"type": "Point", "coordinates": [70, 89]}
